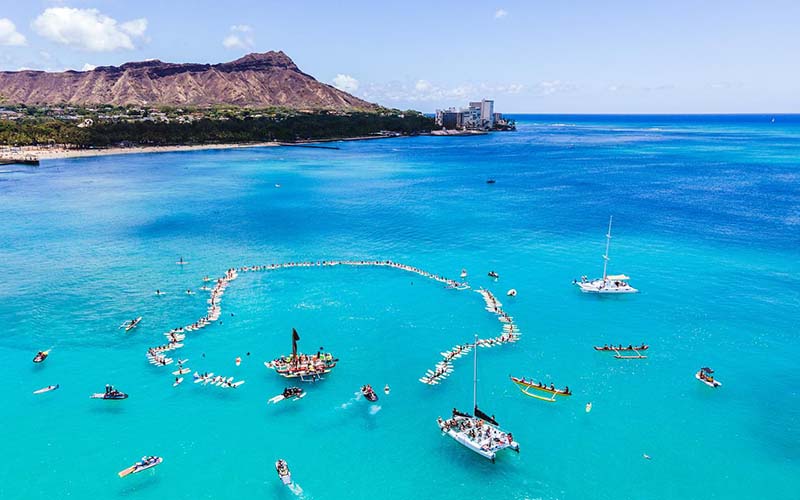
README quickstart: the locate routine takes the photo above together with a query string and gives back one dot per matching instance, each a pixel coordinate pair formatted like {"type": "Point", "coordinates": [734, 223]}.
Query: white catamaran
{"type": "Point", "coordinates": [609, 283]}
{"type": "Point", "coordinates": [479, 432]}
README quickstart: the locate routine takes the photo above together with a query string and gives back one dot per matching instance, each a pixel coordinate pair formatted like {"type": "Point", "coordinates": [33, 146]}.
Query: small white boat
{"type": "Point", "coordinates": [283, 472]}
{"type": "Point", "coordinates": [144, 464]}
{"type": "Point", "coordinates": [463, 273]}
{"type": "Point", "coordinates": [706, 376]}
{"type": "Point", "coordinates": [512, 293]}
{"type": "Point", "coordinates": [608, 284]}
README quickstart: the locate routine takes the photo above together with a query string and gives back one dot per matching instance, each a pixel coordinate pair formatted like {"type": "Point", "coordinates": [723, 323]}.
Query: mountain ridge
{"type": "Point", "coordinates": [269, 79]}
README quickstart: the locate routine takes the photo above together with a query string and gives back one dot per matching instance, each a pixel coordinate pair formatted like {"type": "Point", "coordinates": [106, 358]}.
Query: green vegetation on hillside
{"type": "Point", "coordinates": [134, 126]}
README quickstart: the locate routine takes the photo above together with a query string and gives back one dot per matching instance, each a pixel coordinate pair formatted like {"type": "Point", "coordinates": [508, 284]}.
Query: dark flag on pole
{"type": "Point", "coordinates": [295, 338]}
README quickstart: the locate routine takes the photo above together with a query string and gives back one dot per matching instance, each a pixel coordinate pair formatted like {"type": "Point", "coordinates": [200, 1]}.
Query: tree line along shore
{"type": "Point", "coordinates": [44, 128]}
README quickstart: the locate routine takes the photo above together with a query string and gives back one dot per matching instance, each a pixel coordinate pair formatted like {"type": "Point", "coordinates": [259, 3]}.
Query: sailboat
{"type": "Point", "coordinates": [306, 367]}
{"type": "Point", "coordinates": [609, 283]}
{"type": "Point", "coordinates": [479, 432]}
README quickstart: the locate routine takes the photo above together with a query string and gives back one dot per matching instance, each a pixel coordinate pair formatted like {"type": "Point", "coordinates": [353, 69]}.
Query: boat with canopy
{"type": "Point", "coordinates": [528, 386]}
{"type": "Point", "coordinates": [609, 283]}
{"type": "Point", "coordinates": [477, 431]}
{"type": "Point", "coordinates": [706, 376]}
{"type": "Point", "coordinates": [306, 367]}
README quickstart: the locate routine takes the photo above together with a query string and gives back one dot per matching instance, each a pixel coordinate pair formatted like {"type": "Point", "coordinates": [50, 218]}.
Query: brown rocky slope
{"type": "Point", "coordinates": [255, 80]}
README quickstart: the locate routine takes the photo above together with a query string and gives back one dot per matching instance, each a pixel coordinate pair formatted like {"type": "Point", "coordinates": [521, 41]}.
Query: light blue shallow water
{"type": "Point", "coordinates": [707, 212]}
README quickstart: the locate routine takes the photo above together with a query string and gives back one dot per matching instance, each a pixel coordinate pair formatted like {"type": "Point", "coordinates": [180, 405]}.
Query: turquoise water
{"type": "Point", "coordinates": [706, 211]}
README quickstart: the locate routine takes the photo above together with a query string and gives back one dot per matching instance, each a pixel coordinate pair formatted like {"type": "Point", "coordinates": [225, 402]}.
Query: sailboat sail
{"type": "Point", "coordinates": [483, 416]}
{"type": "Point", "coordinates": [295, 338]}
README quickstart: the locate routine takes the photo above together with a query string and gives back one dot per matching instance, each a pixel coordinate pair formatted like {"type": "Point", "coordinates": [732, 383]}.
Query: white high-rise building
{"type": "Point", "coordinates": [487, 113]}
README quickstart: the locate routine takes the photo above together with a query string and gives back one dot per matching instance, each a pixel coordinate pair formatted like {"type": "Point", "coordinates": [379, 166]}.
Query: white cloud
{"type": "Point", "coordinates": [240, 37]}
{"type": "Point", "coordinates": [88, 67]}
{"type": "Point", "coordinates": [88, 29]}
{"type": "Point", "coordinates": [550, 87]}
{"type": "Point", "coordinates": [345, 82]}
{"type": "Point", "coordinates": [9, 34]}
{"type": "Point", "coordinates": [423, 86]}
{"type": "Point", "coordinates": [500, 13]}
{"type": "Point", "coordinates": [425, 91]}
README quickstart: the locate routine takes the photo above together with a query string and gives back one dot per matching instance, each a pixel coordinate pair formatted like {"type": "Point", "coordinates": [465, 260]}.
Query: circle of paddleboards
{"type": "Point", "coordinates": [46, 389]}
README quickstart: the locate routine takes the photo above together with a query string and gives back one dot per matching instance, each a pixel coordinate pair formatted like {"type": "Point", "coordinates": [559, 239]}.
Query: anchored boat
{"type": "Point", "coordinates": [609, 283]}
{"type": "Point", "coordinates": [479, 432]}
{"type": "Point", "coordinates": [306, 367]}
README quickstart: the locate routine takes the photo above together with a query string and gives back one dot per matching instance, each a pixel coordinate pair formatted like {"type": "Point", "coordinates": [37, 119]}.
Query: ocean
{"type": "Point", "coordinates": [706, 222]}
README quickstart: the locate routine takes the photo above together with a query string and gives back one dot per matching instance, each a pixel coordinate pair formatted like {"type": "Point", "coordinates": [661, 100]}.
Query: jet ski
{"type": "Point", "coordinates": [144, 464]}
{"type": "Point", "coordinates": [369, 393]}
{"type": "Point", "coordinates": [110, 393]}
{"type": "Point", "coordinates": [41, 356]}
{"type": "Point", "coordinates": [283, 471]}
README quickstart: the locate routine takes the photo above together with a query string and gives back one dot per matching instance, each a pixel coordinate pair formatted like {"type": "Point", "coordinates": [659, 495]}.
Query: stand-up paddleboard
{"type": "Point", "coordinates": [46, 389]}
{"type": "Point", "coordinates": [238, 360]}
{"type": "Point", "coordinates": [182, 262]}
{"type": "Point", "coordinates": [177, 382]}
{"type": "Point", "coordinates": [237, 384]}
{"type": "Point", "coordinates": [386, 389]}
{"type": "Point", "coordinates": [182, 371]}
{"type": "Point", "coordinates": [714, 383]}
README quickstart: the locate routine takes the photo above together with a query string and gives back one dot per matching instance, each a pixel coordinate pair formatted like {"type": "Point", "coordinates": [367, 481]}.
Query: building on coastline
{"type": "Point", "coordinates": [478, 115]}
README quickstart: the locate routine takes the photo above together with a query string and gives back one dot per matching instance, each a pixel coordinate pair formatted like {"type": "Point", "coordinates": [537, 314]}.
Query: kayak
{"type": "Point", "coordinates": [46, 389]}
{"type": "Point", "coordinates": [144, 464]}
{"type": "Point", "coordinates": [41, 356]}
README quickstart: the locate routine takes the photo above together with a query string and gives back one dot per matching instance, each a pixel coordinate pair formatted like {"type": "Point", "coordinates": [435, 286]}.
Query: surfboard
{"type": "Point", "coordinates": [46, 389]}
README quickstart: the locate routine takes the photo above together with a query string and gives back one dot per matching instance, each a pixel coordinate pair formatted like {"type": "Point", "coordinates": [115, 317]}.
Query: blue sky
{"type": "Point", "coordinates": [530, 56]}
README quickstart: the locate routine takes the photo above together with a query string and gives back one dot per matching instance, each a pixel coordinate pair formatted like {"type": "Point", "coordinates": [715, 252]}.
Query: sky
{"type": "Point", "coordinates": [534, 56]}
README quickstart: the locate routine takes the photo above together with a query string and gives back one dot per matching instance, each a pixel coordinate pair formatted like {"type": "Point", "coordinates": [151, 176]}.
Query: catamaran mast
{"type": "Point", "coordinates": [608, 244]}
{"type": "Point", "coordinates": [475, 376]}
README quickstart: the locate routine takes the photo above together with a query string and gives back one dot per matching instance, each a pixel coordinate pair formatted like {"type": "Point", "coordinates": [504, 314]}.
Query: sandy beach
{"type": "Point", "coordinates": [57, 152]}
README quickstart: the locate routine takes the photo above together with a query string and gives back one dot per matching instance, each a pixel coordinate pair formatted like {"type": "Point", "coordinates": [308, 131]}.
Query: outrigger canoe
{"type": "Point", "coordinates": [526, 386]}
{"type": "Point", "coordinates": [129, 325]}
{"type": "Point", "coordinates": [642, 347]}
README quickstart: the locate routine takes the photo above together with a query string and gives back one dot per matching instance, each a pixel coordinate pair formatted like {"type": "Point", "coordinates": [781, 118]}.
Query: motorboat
{"type": "Point", "coordinates": [369, 393]}
{"type": "Point", "coordinates": [706, 376]}
{"type": "Point", "coordinates": [609, 283]}
{"type": "Point", "coordinates": [283, 471]}
{"type": "Point", "coordinates": [110, 393]}
{"type": "Point", "coordinates": [144, 464]}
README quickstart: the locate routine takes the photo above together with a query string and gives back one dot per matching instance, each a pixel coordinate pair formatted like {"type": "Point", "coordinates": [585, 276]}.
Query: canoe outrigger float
{"type": "Point", "coordinates": [144, 464]}
{"type": "Point", "coordinates": [528, 385]}
{"type": "Point", "coordinates": [631, 348]}
{"type": "Point", "coordinates": [306, 367]}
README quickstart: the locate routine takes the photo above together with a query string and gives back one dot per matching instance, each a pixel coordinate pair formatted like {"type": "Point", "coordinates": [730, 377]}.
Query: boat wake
{"type": "Point", "coordinates": [373, 409]}
{"type": "Point", "coordinates": [297, 490]}
{"type": "Point", "coordinates": [347, 404]}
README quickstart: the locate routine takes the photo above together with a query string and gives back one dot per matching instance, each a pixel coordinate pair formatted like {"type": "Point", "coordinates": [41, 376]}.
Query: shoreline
{"type": "Point", "coordinates": [60, 152]}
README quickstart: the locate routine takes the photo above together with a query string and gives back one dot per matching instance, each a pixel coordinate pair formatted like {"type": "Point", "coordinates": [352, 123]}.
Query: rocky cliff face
{"type": "Point", "coordinates": [255, 80]}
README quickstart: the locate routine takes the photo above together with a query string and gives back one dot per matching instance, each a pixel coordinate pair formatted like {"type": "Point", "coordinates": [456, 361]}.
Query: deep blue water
{"type": "Point", "coordinates": [706, 217]}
